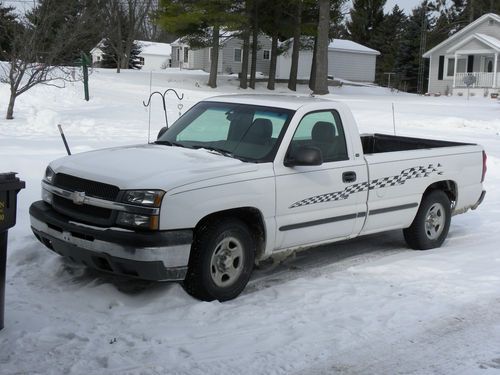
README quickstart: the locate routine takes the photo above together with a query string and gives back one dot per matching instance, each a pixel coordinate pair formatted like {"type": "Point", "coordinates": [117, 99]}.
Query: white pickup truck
{"type": "Point", "coordinates": [240, 178]}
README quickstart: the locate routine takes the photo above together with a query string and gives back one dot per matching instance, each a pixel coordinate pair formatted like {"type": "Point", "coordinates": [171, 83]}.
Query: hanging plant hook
{"type": "Point", "coordinates": [163, 97]}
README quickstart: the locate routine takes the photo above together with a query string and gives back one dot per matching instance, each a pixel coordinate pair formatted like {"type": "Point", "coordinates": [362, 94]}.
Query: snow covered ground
{"type": "Point", "coordinates": [369, 306]}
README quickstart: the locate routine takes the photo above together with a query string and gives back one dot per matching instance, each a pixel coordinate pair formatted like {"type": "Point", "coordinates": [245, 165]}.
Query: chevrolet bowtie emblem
{"type": "Point", "coordinates": [78, 197]}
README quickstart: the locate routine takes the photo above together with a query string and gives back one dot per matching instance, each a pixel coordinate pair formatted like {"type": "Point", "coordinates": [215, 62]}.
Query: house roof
{"type": "Point", "coordinates": [224, 35]}
{"type": "Point", "coordinates": [154, 48]}
{"type": "Point", "coordinates": [488, 40]}
{"type": "Point", "coordinates": [345, 45]}
{"type": "Point", "coordinates": [492, 16]}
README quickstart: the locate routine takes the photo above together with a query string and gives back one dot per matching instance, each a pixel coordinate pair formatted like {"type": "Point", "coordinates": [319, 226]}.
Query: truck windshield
{"type": "Point", "coordinates": [246, 132]}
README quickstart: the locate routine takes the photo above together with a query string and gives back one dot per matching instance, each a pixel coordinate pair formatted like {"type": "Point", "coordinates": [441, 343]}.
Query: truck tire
{"type": "Point", "coordinates": [221, 260]}
{"type": "Point", "coordinates": [430, 227]}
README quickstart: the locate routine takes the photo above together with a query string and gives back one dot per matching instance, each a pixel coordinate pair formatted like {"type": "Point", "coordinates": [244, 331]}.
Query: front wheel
{"type": "Point", "coordinates": [430, 227]}
{"type": "Point", "coordinates": [221, 261]}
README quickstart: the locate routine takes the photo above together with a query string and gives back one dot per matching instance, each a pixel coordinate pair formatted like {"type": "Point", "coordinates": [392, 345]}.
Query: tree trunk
{"type": "Point", "coordinates": [272, 66]}
{"type": "Point", "coordinates": [212, 79]}
{"type": "Point", "coordinates": [321, 76]}
{"type": "Point", "coordinates": [118, 64]}
{"type": "Point", "coordinates": [294, 69]}
{"type": "Point", "coordinates": [244, 60]}
{"type": "Point", "coordinates": [312, 76]}
{"type": "Point", "coordinates": [255, 45]}
{"type": "Point", "coordinates": [10, 108]}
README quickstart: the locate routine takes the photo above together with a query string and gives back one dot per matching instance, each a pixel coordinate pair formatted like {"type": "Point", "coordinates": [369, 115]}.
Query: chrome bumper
{"type": "Point", "coordinates": [152, 256]}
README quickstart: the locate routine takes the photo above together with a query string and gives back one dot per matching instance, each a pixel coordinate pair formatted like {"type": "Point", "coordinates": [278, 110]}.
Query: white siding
{"type": "Point", "coordinates": [154, 62]}
{"type": "Point", "coordinates": [446, 84]}
{"type": "Point", "coordinates": [352, 66]}
{"type": "Point", "coordinates": [346, 65]}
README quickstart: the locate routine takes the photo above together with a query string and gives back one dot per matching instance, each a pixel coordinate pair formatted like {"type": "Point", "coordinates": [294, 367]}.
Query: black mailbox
{"type": "Point", "coordinates": [9, 187]}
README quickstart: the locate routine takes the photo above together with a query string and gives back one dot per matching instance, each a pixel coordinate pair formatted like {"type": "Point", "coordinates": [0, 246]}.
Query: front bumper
{"type": "Point", "coordinates": [161, 255]}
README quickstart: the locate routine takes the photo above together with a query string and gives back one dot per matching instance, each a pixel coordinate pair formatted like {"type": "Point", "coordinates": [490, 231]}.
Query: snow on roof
{"type": "Point", "coordinates": [349, 45]}
{"type": "Point", "coordinates": [488, 39]}
{"type": "Point", "coordinates": [492, 16]}
{"type": "Point", "coordinates": [154, 48]}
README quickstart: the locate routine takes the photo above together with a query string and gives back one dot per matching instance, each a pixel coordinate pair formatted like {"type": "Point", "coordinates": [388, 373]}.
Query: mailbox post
{"type": "Point", "coordinates": [9, 187]}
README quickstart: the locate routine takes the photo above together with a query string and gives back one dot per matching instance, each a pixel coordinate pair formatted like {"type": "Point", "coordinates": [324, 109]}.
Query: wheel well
{"type": "Point", "coordinates": [448, 186]}
{"type": "Point", "coordinates": [250, 216]}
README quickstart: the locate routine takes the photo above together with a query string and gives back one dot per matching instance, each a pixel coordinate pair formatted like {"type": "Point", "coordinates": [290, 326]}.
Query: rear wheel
{"type": "Point", "coordinates": [430, 227]}
{"type": "Point", "coordinates": [221, 260]}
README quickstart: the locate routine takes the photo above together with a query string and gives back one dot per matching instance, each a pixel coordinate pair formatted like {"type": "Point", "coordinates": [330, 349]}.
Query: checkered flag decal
{"type": "Point", "coordinates": [405, 175]}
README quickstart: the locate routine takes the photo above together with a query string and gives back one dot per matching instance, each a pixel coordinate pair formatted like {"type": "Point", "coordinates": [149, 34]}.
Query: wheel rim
{"type": "Point", "coordinates": [226, 264]}
{"type": "Point", "coordinates": [434, 221]}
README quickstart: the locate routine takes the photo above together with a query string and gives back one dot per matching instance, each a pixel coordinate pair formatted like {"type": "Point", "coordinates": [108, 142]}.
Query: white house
{"type": "Point", "coordinates": [346, 60]}
{"type": "Point", "coordinates": [153, 55]}
{"type": "Point", "coordinates": [470, 54]}
{"type": "Point", "coordinates": [230, 54]}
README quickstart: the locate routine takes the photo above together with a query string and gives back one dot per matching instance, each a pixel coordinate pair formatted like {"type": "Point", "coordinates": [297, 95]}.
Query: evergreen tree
{"type": "Point", "coordinates": [366, 18]}
{"type": "Point", "coordinates": [67, 14]}
{"type": "Point", "coordinates": [201, 21]}
{"type": "Point", "coordinates": [408, 58]}
{"type": "Point", "coordinates": [389, 48]}
{"type": "Point", "coordinates": [109, 58]}
{"type": "Point", "coordinates": [8, 26]}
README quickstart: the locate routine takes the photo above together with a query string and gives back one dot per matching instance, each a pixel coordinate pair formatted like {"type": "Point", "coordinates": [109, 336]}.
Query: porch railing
{"type": "Point", "coordinates": [482, 79]}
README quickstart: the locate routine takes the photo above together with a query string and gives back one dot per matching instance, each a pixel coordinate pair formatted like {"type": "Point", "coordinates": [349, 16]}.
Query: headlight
{"type": "Point", "coordinates": [150, 198]}
{"type": "Point", "coordinates": [137, 221]}
{"type": "Point", "coordinates": [49, 175]}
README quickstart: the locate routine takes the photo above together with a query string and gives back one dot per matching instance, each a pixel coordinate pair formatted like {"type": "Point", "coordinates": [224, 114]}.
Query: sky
{"type": "Point", "coordinates": [406, 5]}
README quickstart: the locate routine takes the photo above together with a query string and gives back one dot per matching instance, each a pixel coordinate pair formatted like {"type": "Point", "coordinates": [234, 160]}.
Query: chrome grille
{"type": "Point", "coordinates": [91, 188]}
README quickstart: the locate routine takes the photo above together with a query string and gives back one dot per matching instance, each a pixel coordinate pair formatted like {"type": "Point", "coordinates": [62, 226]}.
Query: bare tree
{"type": "Point", "coordinates": [32, 61]}
{"type": "Point", "coordinates": [123, 20]}
{"type": "Point", "coordinates": [320, 85]}
{"type": "Point", "coordinates": [294, 69]}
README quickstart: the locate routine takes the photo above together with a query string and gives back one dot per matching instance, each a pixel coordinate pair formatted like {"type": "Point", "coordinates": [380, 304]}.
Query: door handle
{"type": "Point", "coordinates": [349, 177]}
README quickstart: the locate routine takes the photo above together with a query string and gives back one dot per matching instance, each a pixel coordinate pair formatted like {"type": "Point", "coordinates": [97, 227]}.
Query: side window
{"type": "Point", "coordinates": [322, 129]}
{"type": "Point", "coordinates": [211, 125]}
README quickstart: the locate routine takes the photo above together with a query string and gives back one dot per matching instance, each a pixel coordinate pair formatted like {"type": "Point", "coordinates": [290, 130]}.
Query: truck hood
{"type": "Point", "coordinates": [150, 166]}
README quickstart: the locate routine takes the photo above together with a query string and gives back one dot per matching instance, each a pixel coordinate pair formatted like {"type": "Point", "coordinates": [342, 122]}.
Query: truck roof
{"type": "Point", "coordinates": [293, 102]}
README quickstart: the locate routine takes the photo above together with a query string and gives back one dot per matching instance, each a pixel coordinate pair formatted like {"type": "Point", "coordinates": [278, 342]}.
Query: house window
{"type": "Point", "coordinates": [141, 60]}
{"type": "Point", "coordinates": [450, 66]}
{"type": "Point", "coordinates": [267, 54]}
{"type": "Point", "coordinates": [186, 54]}
{"type": "Point", "coordinates": [209, 54]}
{"type": "Point", "coordinates": [237, 54]}
{"type": "Point", "coordinates": [450, 71]}
{"type": "Point", "coordinates": [489, 68]}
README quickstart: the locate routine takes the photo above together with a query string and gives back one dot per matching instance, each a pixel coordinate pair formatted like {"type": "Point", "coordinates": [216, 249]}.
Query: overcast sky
{"type": "Point", "coordinates": [406, 5]}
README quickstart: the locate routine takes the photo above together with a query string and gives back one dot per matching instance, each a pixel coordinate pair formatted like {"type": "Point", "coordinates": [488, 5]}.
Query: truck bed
{"type": "Point", "coordinates": [379, 143]}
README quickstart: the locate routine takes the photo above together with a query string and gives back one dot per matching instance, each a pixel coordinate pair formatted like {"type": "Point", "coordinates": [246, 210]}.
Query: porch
{"type": "Point", "coordinates": [474, 60]}
{"type": "Point", "coordinates": [482, 80]}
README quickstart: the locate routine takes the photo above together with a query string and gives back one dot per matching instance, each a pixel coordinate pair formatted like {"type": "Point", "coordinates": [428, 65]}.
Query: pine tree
{"type": "Point", "coordinates": [366, 18]}
{"type": "Point", "coordinates": [389, 48]}
{"type": "Point", "coordinates": [8, 26]}
{"type": "Point", "coordinates": [109, 58]}
{"type": "Point", "coordinates": [201, 21]}
{"type": "Point", "coordinates": [65, 15]}
{"type": "Point", "coordinates": [409, 56]}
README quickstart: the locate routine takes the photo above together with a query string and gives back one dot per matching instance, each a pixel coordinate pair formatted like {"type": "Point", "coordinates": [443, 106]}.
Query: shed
{"type": "Point", "coordinates": [346, 60]}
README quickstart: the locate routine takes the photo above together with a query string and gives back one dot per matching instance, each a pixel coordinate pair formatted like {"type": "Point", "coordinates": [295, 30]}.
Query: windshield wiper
{"type": "Point", "coordinates": [168, 143]}
{"type": "Point", "coordinates": [220, 151]}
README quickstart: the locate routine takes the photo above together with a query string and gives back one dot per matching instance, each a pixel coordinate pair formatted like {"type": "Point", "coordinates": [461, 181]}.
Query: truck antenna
{"type": "Point", "coordinates": [393, 119]}
{"type": "Point", "coordinates": [149, 114]}
{"type": "Point", "coordinates": [64, 139]}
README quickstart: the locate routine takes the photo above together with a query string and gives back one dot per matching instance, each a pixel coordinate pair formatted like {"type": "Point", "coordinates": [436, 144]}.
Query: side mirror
{"type": "Point", "coordinates": [161, 132]}
{"type": "Point", "coordinates": [304, 156]}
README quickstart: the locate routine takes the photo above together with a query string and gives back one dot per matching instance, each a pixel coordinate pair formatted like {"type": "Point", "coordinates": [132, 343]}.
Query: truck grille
{"type": "Point", "coordinates": [91, 188]}
{"type": "Point", "coordinates": [85, 213]}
